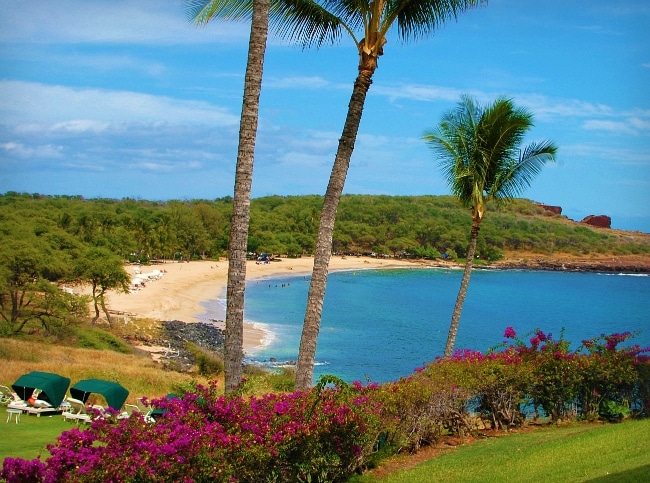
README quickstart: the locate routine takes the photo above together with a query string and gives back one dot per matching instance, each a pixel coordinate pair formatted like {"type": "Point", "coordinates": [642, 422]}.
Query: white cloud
{"type": "Point", "coordinates": [543, 107]}
{"type": "Point", "coordinates": [547, 108]}
{"type": "Point", "coordinates": [80, 126]}
{"type": "Point", "coordinates": [617, 157]}
{"type": "Point", "coordinates": [640, 124]}
{"type": "Point", "coordinates": [152, 22]}
{"type": "Point", "coordinates": [21, 151]}
{"type": "Point", "coordinates": [313, 82]}
{"type": "Point", "coordinates": [65, 107]}
{"type": "Point", "coordinates": [167, 166]}
{"type": "Point", "coordinates": [616, 127]}
{"type": "Point", "coordinates": [416, 92]}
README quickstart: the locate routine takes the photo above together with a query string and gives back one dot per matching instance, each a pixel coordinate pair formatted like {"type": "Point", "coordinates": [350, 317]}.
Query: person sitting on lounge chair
{"type": "Point", "coordinates": [38, 403]}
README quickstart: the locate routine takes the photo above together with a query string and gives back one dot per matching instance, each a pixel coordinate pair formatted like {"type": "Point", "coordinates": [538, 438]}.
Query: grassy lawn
{"type": "Point", "coordinates": [28, 438]}
{"type": "Point", "coordinates": [581, 452]}
{"type": "Point", "coordinates": [609, 452]}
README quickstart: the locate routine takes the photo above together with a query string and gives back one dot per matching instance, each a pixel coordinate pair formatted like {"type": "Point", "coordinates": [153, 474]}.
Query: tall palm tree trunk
{"type": "Point", "coordinates": [237, 245]}
{"type": "Point", "coordinates": [460, 300]}
{"type": "Point", "coordinates": [316, 296]}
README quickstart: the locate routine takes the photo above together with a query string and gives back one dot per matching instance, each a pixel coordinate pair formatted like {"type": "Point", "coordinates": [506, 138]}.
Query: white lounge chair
{"type": "Point", "coordinates": [7, 396]}
{"type": "Point", "coordinates": [76, 411]}
{"type": "Point", "coordinates": [146, 411]}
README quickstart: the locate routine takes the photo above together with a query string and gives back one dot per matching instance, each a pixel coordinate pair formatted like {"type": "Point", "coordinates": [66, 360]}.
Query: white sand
{"type": "Point", "coordinates": [178, 294]}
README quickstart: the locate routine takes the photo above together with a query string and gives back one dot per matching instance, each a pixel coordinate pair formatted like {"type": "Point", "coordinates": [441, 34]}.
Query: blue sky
{"type": "Point", "coordinates": [126, 98]}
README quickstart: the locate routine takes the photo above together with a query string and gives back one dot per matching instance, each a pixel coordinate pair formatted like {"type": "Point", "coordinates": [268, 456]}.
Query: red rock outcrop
{"type": "Point", "coordinates": [601, 221]}
{"type": "Point", "coordinates": [553, 209]}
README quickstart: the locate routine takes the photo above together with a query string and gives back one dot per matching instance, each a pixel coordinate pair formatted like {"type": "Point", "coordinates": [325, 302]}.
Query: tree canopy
{"type": "Point", "coordinates": [62, 227]}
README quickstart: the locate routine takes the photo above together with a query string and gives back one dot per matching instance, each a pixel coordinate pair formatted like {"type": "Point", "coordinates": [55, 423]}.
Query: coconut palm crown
{"type": "Point", "coordinates": [478, 150]}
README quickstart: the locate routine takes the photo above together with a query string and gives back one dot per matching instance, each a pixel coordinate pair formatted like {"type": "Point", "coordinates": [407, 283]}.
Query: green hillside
{"type": "Point", "coordinates": [418, 226]}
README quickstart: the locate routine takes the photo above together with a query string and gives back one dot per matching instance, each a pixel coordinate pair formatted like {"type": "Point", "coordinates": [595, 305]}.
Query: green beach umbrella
{"type": "Point", "coordinates": [53, 387]}
{"type": "Point", "coordinates": [114, 393]}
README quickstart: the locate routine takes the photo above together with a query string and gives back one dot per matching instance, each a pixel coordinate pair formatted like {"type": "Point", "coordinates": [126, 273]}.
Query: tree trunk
{"type": "Point", "coordinates": [234, 336]}
{"type": "Point", "coordinates": [102, 302]}
{"type": "Point", "coordinates": [96, 304]}
{"type": "Point", "coordinates": [316, 296]}
{"type": "Point", "coordinates": [455, 317]}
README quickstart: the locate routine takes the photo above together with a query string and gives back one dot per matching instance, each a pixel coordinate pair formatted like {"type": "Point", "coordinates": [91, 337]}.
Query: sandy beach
{"type": "Point", "coordinates": [178, 294]}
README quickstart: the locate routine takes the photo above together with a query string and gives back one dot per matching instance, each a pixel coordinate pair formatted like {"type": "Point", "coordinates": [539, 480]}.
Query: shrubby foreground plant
{"type": "Point", "coordinates": [322, 435]}
{"type": "Point", "coordinates": [337, 429]}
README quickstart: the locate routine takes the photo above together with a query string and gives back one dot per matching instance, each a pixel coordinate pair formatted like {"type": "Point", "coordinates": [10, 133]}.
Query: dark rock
{"type": "Point", "coordinates": [205, 335]}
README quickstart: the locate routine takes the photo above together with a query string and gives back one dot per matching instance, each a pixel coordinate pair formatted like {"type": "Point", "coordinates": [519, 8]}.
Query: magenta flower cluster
{"type": "Point", "coordinates": [207, 437]}
{"type": "Point", "coordinates": [565, 383]}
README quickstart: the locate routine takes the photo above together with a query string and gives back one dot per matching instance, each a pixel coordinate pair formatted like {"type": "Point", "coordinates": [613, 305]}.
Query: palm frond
{"type": "Point", "coordinates": [521, 172]}
{"type": "Point", "coordinates": [351, 12]}
{"type": "Point", "coordinates": [420, 18]}
{"type": "Point", "coordinates": [202, 12]}
{"type": "Point", "coordinates": [478, 150]}
{"type": "Point", "coordinates": [309, 23]}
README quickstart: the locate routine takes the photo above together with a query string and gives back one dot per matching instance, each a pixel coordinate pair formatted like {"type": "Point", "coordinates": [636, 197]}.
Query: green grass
{"type": "Point", "coordinates": [610, 452]}
{"type": "Point", "coordinates": [581, 452]}
{"type": "Point", "coordinates": [28, 438]}
{"type": "Point", "coordinates": [98, 339]}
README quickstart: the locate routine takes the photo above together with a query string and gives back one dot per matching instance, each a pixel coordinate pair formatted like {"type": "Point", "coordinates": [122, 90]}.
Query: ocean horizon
{"type": "Point", "coordinates": [381, 324]}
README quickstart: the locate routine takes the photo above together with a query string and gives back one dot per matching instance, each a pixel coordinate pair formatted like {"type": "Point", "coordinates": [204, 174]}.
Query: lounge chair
{"type": "Point", "coordinates": [76, 411]}
{"type": "Point", "coordinates": [43, 391]}
{"type": "Point", "coordinates": [7, 396]}
{"type": "Point", "coordinates": [145, 410]}
{"type": "Point", "coordinates": [39, 403]}
{"type": "Point", "coordinates": [129, 409]}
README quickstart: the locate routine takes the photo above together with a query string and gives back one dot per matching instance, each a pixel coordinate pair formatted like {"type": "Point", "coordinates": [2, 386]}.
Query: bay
{"type": "Point", "coordinates": [380, 325]}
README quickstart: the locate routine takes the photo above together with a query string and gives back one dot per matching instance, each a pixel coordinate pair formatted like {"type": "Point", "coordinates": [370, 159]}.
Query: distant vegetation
{"type": "Point", "coordinates": [417, 226]}
{"type": "Point", "coordinates": [69, 240]}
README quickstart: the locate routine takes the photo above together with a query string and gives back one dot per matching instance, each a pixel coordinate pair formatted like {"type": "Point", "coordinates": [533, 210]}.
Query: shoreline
{"type": "Point", "coordinates": [188, 291]}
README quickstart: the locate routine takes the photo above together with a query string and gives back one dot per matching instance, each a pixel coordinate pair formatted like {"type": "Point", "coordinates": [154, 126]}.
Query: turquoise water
{"type": "Point", "coordinates": [380, 325]}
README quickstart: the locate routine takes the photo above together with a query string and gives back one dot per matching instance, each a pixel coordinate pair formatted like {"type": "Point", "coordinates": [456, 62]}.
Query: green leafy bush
{"type": "Point", "coordinates": [208, 363]}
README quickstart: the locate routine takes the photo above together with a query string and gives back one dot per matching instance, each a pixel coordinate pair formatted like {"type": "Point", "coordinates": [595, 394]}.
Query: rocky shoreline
{"type": "Point", "coordinates": [170, 348]}
{"type": "Point", "coordinates": [571, 267]}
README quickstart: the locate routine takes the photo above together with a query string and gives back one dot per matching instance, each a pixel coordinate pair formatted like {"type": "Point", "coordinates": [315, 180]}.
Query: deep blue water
{"type": "Point", "coordinates": [380, 325]}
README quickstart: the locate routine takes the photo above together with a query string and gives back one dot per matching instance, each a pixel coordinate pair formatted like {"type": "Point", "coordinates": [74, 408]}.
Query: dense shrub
{"type": "Point", "coordinates": [641, 398]}
{"type": "Point", "coordinates": [322, 435]}
{"type": "Point", "coordinates": [332, 431]}
{"type": "Point", "coordinates": [207, 362]}
{"type": "Point", "coordinates": [418, 409]}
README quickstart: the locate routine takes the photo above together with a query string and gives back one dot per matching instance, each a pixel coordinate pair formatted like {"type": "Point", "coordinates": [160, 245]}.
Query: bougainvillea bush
{"type": "Point", "coordinates": [322, 435]}
{"type": "Point", "coordinates": [587, 382]}
{"type": "Point", "coordinates": [538, 376]}
{"type": "Point", "coordinates": [334, 430]}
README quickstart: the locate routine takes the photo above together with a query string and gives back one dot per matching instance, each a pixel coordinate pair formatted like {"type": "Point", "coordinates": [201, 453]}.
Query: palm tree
{"type": "Point", "coordinates": [478, 149]}
{"type": "Point", "coordinates": [312, 22]}
{"type": "Point", "coordinates": [202, 11]}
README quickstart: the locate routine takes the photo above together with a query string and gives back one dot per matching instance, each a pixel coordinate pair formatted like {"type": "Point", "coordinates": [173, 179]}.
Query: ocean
{"type": "Point", "coordinates": [380, 325]}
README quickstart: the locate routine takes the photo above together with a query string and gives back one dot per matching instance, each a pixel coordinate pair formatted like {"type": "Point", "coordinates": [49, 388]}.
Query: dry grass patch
{"type": "Point", "coordinates": [139, 374]}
